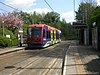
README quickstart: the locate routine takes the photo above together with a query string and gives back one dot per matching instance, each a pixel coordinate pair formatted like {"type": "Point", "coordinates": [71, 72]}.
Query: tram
{"type": "Point", "coordinates": [42, 35]}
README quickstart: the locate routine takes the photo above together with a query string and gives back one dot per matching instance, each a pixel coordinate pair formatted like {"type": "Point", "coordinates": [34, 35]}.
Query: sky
{"type": "Point", "coordinates": [64, 7]}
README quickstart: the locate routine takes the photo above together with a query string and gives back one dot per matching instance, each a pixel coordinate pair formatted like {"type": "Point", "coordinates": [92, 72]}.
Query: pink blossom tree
{"type": "Point", "coordinates": [11, 21]}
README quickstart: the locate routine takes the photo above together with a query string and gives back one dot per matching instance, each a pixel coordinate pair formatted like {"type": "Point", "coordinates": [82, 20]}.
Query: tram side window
{"type": "Point", "coordinates": [43, 32]}
{"type": "Point", "coordinates": [48, 34]}
{"type": "Point", "coordinates": [57, 35]}
{"type": "Point", "coordinates": [60, 35]}
{"type": "Point", "coordinates": [53, 35]}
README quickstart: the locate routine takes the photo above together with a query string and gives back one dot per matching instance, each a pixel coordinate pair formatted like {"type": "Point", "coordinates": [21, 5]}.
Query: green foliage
{"type": "Point", "coordinates": [37, 18]}
{"type": "Point", "coordinates": [84, 12]}
{"type": "Point", "coordinates": [68, 32]}
{"type": "Point", "coordinates": [14, 42]}
{"type": "Point", "coordinates": [95, 15]}
{"type": "Point", "coordinates": [51, 17]}
{"type": "Point", "coordinates": [25, 29]}
{"type": "Point", "coordinates": [4, 41]}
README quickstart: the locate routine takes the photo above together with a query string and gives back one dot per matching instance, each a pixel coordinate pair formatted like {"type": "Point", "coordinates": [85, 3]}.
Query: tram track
{"type": "Point", "coordinates": [28, 65]}
{"type": "Point", "coordinates": [41, 62]}
{"type": "Point", "coordinates": [12, 56]}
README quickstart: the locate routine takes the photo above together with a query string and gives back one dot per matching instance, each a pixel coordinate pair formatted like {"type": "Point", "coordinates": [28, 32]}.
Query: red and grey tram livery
{"type": "Point", "coordinates": [42, 35]}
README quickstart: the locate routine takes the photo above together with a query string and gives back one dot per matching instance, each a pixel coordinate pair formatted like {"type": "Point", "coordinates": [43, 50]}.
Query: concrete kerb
{"type": "Point", "coordinates": [72, 43]}
{"type": "Point", "coordinates": [73, 59]}
{"type": "Point", "coordinates": [65, 62]}
{"type": "Point", "coordinates": [11, 50]}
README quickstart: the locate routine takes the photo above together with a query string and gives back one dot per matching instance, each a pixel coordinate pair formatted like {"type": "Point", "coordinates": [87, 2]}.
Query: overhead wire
{"type": "Point", "coordinates": [3, 10]}
{"type": "Point", "coordinates": [9, 6]}
{"type": "Point", "coordinates": [49, 5]}
{"type": "Point", "coordinates": [19, 10]}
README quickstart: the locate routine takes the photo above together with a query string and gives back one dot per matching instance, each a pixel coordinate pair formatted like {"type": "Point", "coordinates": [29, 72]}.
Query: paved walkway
{"type": "Point", "coordinates": [10, 49]}
{"type": "Point", "coordinates": [81, 60]}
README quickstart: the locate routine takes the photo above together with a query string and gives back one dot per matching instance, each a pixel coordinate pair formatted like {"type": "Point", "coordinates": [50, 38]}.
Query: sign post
{"type": "Point", "coordinates": [8, 36]}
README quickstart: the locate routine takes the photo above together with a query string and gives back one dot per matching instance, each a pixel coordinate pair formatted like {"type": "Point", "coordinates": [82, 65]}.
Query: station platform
{"type": "Point", "coordinates": [81, 60]}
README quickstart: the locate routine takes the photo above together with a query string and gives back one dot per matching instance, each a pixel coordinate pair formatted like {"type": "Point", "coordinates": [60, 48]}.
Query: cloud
{"type": "Point", "coordinates": [38, 10]}
{"type": "Point", "coordinates": [21, 4]}
{"type": "Point", "coordinates": [98, 2]}
{"type": "Point", "coordinates": [26, 5]}
{"type": "Point", "coordinates": [68, 16]}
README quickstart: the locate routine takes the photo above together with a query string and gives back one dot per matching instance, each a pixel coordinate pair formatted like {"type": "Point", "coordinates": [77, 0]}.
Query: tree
{"type": "Point", "coordinates": [30, 18]}
{"type": "Point", "coordinates": [52, 19]}
{"type": "Point", "coordinates": [95, 14]}
{"type": "Point", "coordinates": [84, 11]}
{"type": "Point", "coordinates": [10, 20]}
{"type": "Point", "coordinates": [95, 17]}
{"type": "Point", "coordinates": [68, 32]}
{"type": "Point", "coordinates": [26, 17]}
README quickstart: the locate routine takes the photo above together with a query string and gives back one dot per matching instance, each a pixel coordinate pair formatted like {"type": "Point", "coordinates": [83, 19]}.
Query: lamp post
{"type": "Point", "coordinates": [3, 27]}
{"type": "Point", "coordinates": [74, 7]}
{"type": "Point", "coordinates": [20, 36]}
